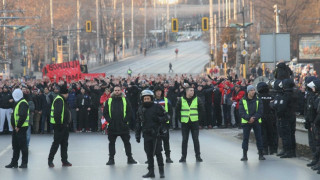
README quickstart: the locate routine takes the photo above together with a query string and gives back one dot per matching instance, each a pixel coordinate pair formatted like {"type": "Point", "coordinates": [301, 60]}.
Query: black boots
{"type": "Point", "coordinates": [198, 159]}
{"type": "Point", "coordinates": [66, 164]}
{"type": "Point", "coordinates": [281, 153]}
{"type": "Point", "coordinates": [313, 162]}
{"type": "Point", "coordinates": [169, 160]}
{"type": "Point", "coordinates": [23, 166]}
{"type": "Point", "coordinates": [244, 157]}
{"type": "Point", "coordinates": [130, 161]}
{"type": "Point", "coordinates": [50, 164]}
{"type": "Point", "coordinates": [150, 174]}
{"type": "Point", "coordinates": [12, 165]}
{"type": "Point", "coordinates": [161, 171]}
{"type": "Point", "coordinates": [261, 155]}
{"type": "Point", "coordinates": [183, 159]}
{"type": "Point", "coordinates": [111, 161]}
{"type": "Point", "coordinates": [288, 154]}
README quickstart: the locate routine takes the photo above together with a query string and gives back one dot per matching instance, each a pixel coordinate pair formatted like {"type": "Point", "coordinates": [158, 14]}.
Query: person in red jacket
{"type": "Point", "coordinates": [237, 95]}
{"type": "Point", "coordinates": [226, 102]}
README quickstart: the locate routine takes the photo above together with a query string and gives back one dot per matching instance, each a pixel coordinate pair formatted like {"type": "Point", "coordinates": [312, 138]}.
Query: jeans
{"type": "Point", "coordinates": [256, 126]}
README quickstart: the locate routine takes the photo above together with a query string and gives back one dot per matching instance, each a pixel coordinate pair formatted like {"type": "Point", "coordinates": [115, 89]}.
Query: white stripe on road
{"type": "Point", "coordinates": [5, 150]}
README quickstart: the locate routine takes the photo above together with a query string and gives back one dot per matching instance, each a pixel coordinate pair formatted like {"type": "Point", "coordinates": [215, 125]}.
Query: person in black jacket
{"type": "Point", "coordinates": [20, 122]}
{"type": "Point", "coordinates": [204, 92]}
{"type": "Point", "coordinates": [282, 71]}
{"type": "Point", "coordinates": [151, 118]}
{"type": "Point", "coordinates": [132, 93]}
{"type": "Point", "coordinates": [60, 118]}
{"type": "Point", "coordinates": [117, 111]}
{"type": "Point", "coordinates": [193, 106]}
{"type": "Point", "coordinates": [95, 95]}
{"type": "Point", "coordinates": [6, 105]}
{"type": "Point", "coordinates": [83, 108]}
{"type": "Point", "coordinates": [250, 111]}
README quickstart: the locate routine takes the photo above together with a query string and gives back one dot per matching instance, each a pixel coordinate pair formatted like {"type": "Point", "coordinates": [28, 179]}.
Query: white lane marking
{"type": "Point", "coordinates": [5, 150]}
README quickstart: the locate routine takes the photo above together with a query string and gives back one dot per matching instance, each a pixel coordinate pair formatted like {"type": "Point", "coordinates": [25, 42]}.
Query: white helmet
{"type": "Point", "coordinates": [147, 92]}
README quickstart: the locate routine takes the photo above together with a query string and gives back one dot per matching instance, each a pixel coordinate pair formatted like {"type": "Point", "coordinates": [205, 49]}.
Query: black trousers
{"type": "Point", "coordinates": [227, 114]}
{"type": "Point", "coordinates": [19, 143]}
{"type": "Point", "coordinates": [152, 145]}
{"type": "Point", "coordinates": [256, 126]}
{"type": "Point", "coordinates": [217, 116]}
{"type": "Point", "coordinates": [208, 119]}
{"type": "Point", "coordinates": [112, 144]}
{"type": "Point", "coordinates": [312, 142]}
{"type": "Point", "coordinates": [269, 133]}
{"type": "Point", "coordinates": [166, 143]}
{"type": "Point", "coordinates": [60, 138]}
{"type": "Point", "coordinates": [287, 134]}
{"type": "Point", "coordinates": [93, 119]}
{"type": "Point", "coordinates": [83, 119]}
{"type": "Point", "coordinates": [194, 128]}
{"type": "Point", "coordinates": [237, 116]}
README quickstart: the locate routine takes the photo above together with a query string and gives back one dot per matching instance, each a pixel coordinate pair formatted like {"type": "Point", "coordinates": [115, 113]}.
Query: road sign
{"type": "Point", "coordinates": [225, 58]}
{"type": "Point", "coordinates": [244, 52]}
{"type": "Point", "coordinates": [225, 46]}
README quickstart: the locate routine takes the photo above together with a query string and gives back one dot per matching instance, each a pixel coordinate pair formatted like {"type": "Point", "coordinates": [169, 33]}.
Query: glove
{"type": "Point", "coordinates": [138, 140]}
{"type": "Point", "coordinates": [307, 125]}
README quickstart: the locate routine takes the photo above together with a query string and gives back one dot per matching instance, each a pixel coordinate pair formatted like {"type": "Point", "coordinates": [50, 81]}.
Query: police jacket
{"type": "Point", "coordinates": [23, 113]}
{"type": "Point", "coordinates": [149, 119]}
{"type": "Point", "coordinates": [118, 121]}
{"type": "Point", "coordinates": [57, 112]}
{"type": "Point", "coordinates": [252, 108]}
{"type": "Point", "coordinates": [310, 109]}
{"type": "Point", "coordinates": [266, 98]}
{"type": "Point", "coordinates": [201, 110]}
{"type": "Point", "coordinates": [5, 97]}
{"type": "Point", "coordinates": [317, 118]}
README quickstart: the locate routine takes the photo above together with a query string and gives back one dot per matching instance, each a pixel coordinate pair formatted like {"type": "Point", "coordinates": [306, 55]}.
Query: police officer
{"type": "Point", "coordinates": [117, 112]}
{"type": "Point", "coordinates": [310, 112]}
{"type": "Point", "coordinates": [129, 72]}
{"type": "Point", "coordinates": [250, 111]}
{"type": "Point", "coordinates": [268, 125]}
{"type": "Point", "coordinates": [189, 110]}
{"type": "Point", "coordinates": [150, 120]}
{"type": "Point", "coordinates": [20, 123]}
{"type": "Point", "coordinates": [60, 117]}
{"type": "Point", "coordinates": [164, 102]}
{"type": "Point", "coordinates": [315, 126]}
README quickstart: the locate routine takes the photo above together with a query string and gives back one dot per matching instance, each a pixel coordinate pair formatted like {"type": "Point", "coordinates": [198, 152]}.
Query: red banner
{"type": "Point", "coordinates": [60, 71]}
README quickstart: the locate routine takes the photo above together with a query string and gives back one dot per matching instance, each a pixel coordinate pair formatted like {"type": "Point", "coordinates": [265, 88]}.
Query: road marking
{"type": "Point", "coordinates": [5, 150]}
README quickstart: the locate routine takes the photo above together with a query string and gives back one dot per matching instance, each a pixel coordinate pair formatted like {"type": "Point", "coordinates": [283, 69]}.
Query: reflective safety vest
{"type": "Point", "coordinates": [52, 121]}
{"type": "Point", "coordinates": [129, 71]}
{"type": "Point", "coordinates": [189, 112]}
{"type": "Point", "coordinates": [166, 107]}
{"type": "Point", "coordinates": [124, 102]}
{"type": "Point", "coordinates": [245, 105]}
{"type": "Point", "coordinates": [17, 117]}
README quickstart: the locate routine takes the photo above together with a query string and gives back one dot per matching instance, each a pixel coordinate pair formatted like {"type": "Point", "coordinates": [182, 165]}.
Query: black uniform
{"type": "Point", "coordinates": [268, 126]}
{"type": "Point", "coordinates": [83, 103]}
{"type": "Point", "coordinates": [150, 120]}
{"type": "Point", "coordinates": [61, 130]}
{"type": "Point", "coordinates": [118, 125]}
{"type": "Point", "coordinates": [19, 139]}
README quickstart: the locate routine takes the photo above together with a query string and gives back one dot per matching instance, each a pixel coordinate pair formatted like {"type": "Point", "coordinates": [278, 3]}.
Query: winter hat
{"type": "Point", "coordinates": [249, 88]}
{"type": "Point", "coordinates": [17, 95]}
{"type": "Point", "coordinates": [64, 89]}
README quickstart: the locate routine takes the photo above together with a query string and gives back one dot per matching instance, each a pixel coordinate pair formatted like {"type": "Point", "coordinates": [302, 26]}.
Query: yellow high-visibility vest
{"type": "Point", "coordinates": [245, 105]}
{"type": "Point", "coordinates": [189, 112]}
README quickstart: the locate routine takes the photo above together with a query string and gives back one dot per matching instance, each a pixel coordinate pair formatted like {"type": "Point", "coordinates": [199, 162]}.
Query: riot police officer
{"type": "Point", "coordinates": [310, 113]}
{"type": "Point", "coordinates": [20, 123]}
{"type": "Point", "coordinates": [315, 125]}
{"type": "Point", "coordinates": [150, 120]}
{"type": "Point", "coordinates": [268, 125]}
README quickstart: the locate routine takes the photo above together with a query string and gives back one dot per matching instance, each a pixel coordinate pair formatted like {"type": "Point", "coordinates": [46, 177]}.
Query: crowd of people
{"type": "Point", "coordinates": [222, 102]}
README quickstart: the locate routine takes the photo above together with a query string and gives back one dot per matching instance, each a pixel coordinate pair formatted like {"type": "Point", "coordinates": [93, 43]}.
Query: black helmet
{"type": "Point", "coordinates": [147, 92]}
{"type": "Point", "coordinates": [288, 83]}
{"type": "Point", "coordinates": [262, 87]}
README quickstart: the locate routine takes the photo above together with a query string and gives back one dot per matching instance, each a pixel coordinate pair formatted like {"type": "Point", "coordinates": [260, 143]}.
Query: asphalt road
{"type": "Point", "coordinates": [191, 59]}
{"type": "Point", "coordinates": [88, 152]}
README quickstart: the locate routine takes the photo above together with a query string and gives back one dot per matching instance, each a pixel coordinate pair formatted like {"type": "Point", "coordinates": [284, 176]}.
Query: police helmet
{"type": "Point", "coordinates": [262, 87]}
{"type": "Point", "coordinates": [147, 92]}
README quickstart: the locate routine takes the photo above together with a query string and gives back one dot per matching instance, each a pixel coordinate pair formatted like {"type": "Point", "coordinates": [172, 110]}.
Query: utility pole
{"type": "Point", "coordinates": [227, 14]}
{"type": "Point", "coordinates": [114, 31]}
{"type": "Point", "coordinates": [5, 44]}
{"type": "Point", "coordinates": [219, 14]}
{"type": "Point", "coordinates": [132, 28]}
{"type": "Point", "coordinates": [123, 32]}
{"type": "Point", "coordinates": [69, 44]}
{"type": "Point", "coordinates": [99, 59]}
{"type": "Point", "coordinates": [212, 47]}
{"type": "Point", "coordinates": [235, 10]}
{"type": "Point", "coordinates": [145, 24]}
{"type": "Point", "coordinates": [277, 11]}
{"type": "Point", "coordinates": [78, 31]}
{"type": "Point", "coordinates": [244, 44]}
{"type": "Point", "coordinates": [229, 8]}
{"type": "Point", "coordinates": [215, 40]}
{"type": "Point", "coordinates": [52, 35]}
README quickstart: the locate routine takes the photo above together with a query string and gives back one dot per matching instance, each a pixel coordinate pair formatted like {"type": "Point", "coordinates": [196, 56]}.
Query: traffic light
{"type": "Point", "coordinates": [211, 56]}
{"type": "Point", "coordinates": [174, 25]}
{"type": "Point", "coordinates": [205, 24]}
{"type": "Point", "coordinates": [88, 26]}
{"type": "Point", "coordinates": [242, 60]}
